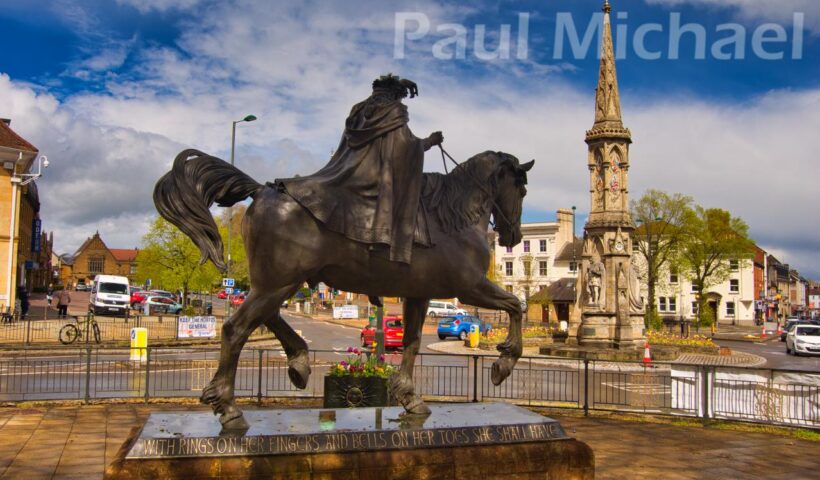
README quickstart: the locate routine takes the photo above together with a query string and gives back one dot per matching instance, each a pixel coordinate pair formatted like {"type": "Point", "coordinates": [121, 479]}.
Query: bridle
{"type": "Point", "coordinates": [480, 186]}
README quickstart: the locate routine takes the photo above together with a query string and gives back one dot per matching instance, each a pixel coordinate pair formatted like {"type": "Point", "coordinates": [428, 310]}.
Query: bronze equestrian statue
{"type": "Point", "coordinates": [369, 222]}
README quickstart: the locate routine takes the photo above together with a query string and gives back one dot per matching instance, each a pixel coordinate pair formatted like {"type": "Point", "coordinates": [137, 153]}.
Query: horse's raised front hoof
{"type": "Point", "coordinates": [232, 419]}
{"type": "Point", "coordinates": [299, 370]}
{"type": "Point", "coordinates": [502, 368]}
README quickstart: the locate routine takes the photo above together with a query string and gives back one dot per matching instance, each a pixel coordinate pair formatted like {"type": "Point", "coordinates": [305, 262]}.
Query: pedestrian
{"type": "Point", "coordinates": [63, 299]}
{"type": "Point", "coordinates": [50, 294]}
{"type": "Point", "coordinates": [22, 295]}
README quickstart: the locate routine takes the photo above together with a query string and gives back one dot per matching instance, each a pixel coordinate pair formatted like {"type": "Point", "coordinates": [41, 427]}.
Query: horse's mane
{"type": "Point", "coordinates": [452, 198]}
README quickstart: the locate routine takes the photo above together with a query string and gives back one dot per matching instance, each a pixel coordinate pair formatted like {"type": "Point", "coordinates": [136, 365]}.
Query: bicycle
{"type": "Point", "coordinates": [71, 332]}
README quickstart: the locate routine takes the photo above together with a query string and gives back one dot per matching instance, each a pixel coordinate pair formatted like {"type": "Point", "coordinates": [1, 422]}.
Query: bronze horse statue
{"type": "Point", "coordinates": [287, 247]}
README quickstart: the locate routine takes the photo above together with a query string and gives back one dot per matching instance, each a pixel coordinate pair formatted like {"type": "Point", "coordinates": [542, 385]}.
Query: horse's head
{"type": "Point", "coordinates": [511, 181]}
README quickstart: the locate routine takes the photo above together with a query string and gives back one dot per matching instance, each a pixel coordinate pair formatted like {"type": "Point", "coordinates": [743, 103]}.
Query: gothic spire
{"type": "Point", "coordinates": [607, 98]}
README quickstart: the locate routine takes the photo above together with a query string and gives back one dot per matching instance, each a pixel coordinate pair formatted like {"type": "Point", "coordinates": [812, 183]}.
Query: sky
{"type": "Point", "coordinates": [722, 97]}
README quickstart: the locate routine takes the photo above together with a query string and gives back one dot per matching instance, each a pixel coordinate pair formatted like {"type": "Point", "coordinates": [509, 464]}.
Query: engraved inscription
{"type": "Point", "coordinates": [344, 441]}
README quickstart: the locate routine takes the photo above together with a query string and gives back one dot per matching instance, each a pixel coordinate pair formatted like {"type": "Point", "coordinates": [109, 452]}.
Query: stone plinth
{"type": "Point", "coordinates": [456, 441]}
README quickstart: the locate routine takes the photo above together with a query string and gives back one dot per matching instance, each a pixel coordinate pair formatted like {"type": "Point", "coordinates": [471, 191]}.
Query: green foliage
{"type": "Point", "coordinates": [713, 238]}
{"type": "Point", "coordinates": [653, 320]}
{"type": "Point", "coordinates": [171, 260]}
{"type": "Point", "coordinates": [662, 220]}
{"type": "Point", "coordinates": [239, 258]}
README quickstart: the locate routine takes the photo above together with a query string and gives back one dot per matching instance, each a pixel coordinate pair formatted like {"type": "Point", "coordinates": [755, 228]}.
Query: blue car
{"type": "Point", "coordinates": [458, 326]}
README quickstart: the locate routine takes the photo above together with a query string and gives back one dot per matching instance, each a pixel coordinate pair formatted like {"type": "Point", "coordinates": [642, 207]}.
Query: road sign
{"type": "Point", "coordinates": [229, 290]}
{"type": "Point", "coordinates": [228, 282]}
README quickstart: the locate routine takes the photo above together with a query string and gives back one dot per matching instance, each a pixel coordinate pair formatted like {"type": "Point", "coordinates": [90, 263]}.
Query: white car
{"type": "Point", "coordinates": [444, 309]}
{"type": "Point", "coordinates": [803, 338]}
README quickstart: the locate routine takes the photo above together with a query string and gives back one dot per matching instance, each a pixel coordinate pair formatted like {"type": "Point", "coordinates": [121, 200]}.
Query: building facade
{"type": "Point", "coordinates": [19, 208]}
{"type": "Point", "coordinates": [95, 258]}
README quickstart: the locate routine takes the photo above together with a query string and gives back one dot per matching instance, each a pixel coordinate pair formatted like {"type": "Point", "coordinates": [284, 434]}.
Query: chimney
{"type": "Point", "coordinates": [564, 216]}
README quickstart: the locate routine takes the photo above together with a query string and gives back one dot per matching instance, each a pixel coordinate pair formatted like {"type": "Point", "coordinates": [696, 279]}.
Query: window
{"type": "Point", "coordinates": [527, 268]}
{"type": "Point", "coordinates": [96, 264]}
{"type": "Point", "coordinates": [730, 309]}
{"type": "Point", "coordinates": [573, 266]}
{"type": "Point", "coordinates": [694, 308]}
{"type": "Point", "coordinates": [542, 268]}
{"type": "Point", "coordinates": [508, 268]}
{"type": "Point", "coordinates": [526, 246]}
{"type": "Point", "coordinates": [695, 288]}
{"type": "Point", "coordinates": [509, 249]}
{"type": "Point", "coordinates": [673, 276]}
{"type": "Point", "coordinates": [542, 245]}
{"type": "Point", "coordinates": [508, 288]}
{"type": "Point", "coordinates": [734, 285]}
{"type": "Point", "coordinates": [667, 304]}
{"type": "Point", "coordinates": [133, 269]}
{"type": "Point", "coordinates": [734, 265]}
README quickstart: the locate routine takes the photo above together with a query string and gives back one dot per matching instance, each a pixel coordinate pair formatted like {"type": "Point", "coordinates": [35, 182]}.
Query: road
{"type": "Point", "coordinates": [775, 354]}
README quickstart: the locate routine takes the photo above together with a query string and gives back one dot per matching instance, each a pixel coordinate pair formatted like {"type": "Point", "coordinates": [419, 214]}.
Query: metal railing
{"type": "Point", "coordinates": [33, 331]}
{"type": "Point", "coordinates": [783, 397]}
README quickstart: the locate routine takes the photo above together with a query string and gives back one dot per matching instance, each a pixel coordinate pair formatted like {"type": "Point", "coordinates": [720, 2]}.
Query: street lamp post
{"type": "Point", "coordinates": [248, 118]}
{"type": "Point", "coordinates": [572, 238]}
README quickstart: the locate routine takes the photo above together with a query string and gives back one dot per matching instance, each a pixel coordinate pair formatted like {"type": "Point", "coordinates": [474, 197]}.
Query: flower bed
{"type": "Point", "coordinates": [533, 336]}
{"type": "Point", "coordinates": [692, 344]}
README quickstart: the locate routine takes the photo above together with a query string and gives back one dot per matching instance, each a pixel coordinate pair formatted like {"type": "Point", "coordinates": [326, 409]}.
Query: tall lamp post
{"type": "Point", "coordinates": [572, 239]}
{"type": "Point", "coordinates": [248, 118]}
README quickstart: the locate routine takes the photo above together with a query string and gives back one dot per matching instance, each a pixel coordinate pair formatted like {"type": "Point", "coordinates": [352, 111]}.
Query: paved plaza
{"type": "Point", "coordinates": [78, 441]}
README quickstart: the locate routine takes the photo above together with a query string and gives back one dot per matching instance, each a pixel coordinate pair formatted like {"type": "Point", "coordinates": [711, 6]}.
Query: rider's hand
{"type": "Point", "coordinates": [435, 138]}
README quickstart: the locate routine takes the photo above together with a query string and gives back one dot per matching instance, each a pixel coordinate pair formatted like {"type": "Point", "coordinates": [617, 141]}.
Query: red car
{"type": "Point", "coordinates": [237, 300]}
{"type": "Point", "coordinates": [393, 333]}
{"type": "Point", "coordinates": [222, 295]}
{"type": "Point", "coordinates": [137, 297]}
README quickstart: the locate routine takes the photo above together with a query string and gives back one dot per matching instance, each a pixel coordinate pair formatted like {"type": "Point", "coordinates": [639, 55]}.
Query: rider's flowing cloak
{"type": "Point", "coordinates": [369, 191]}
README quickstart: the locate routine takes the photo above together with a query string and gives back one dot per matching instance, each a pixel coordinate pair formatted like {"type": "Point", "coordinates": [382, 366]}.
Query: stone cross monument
{"type": "Point", "coordinates": [608, 285]}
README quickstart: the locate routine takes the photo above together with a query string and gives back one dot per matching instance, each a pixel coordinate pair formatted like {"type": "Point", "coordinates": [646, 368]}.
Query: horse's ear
{"type": "Point", "coordinates": [527, 166]}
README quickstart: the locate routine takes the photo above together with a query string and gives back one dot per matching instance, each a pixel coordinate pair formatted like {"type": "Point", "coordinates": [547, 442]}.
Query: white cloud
{"type": "Point", "coordinates": [145, 6]}
{"type": "Point", "coordinates": [780, 11]}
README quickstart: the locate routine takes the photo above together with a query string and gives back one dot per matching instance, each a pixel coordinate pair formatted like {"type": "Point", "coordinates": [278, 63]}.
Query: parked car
{"type": "Point", "coordinates": [163, 293]}
{"type": "Point", "coordinates": [81, 287]}
{"type": "Point", "coordinates": [237, 300]}
{"type": "Point", "coordinates": [458, 326]}
{"type": "Point", "coordinates": [443, 309]}
{"type": "Point", "coordinates": [138, 297]}
{"type": "Point", "coordinates": [393, 333]}
{"type": "Point", "coordinates": [162, 304]}
{"type": "Point", "coordinates": [803, 338]}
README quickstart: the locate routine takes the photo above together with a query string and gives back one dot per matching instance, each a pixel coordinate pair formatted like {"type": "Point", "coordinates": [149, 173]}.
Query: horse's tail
{"type": "Point", "coordinates": [184, 195]}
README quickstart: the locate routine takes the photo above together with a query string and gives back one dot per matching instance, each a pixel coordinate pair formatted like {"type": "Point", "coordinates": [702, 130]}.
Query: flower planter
{"type": "Point", "coordinates": [348, 391]}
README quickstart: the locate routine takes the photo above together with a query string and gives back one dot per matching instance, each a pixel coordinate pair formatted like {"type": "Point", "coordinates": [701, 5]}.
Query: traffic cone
{"type": "Point", "coordinates": [763, 332]}
{"type": "Point", "coordinates": [647, 357]}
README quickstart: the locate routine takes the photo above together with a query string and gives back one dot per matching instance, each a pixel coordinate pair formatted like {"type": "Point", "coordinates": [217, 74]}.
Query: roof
{"type": "Point", "coordinates": [559, 291]}
{"type": "Point", "coordinates": [566, 253]}
{"type": "Point", "coordinates": [124, 254]}
{"type": "Point", "coordinates": [10, 139]}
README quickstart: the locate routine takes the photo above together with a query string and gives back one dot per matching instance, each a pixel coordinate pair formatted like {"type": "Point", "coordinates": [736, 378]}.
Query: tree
{"type": "Point", "coordinates": [239, 258]}
{"type": "Point", "coordinates": [712, 238]}
{"type": "Point", "coordinates": [171, 260]}
{"type": "Point", "coordinates": [662, 219]}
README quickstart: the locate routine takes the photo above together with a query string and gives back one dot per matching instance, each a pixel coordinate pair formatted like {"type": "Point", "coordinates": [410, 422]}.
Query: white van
{"type": "Point", "coordinates": [110, 294]}
{"type": "Point", "coordinates": [444, 309]}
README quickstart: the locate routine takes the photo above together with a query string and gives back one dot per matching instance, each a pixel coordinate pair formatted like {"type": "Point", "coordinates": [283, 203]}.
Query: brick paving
{"type": "Point", "coordinates": [78, 441]}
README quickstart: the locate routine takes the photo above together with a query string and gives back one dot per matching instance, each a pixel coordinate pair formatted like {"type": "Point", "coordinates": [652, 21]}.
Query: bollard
{"type": "Point", "coordinates": [139, 344]}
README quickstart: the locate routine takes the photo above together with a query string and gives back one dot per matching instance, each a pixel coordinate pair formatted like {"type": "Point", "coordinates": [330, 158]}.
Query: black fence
{"type": "Point", "coordinates": [751, 394]}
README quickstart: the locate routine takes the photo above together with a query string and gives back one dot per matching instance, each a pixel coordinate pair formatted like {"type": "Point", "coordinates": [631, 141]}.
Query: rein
{"type": "Point", "coordinates": [477, 184]}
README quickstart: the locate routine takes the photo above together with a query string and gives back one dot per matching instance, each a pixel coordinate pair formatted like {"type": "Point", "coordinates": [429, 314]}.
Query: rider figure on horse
{"type": "Point", "coordinates": [370, 190]}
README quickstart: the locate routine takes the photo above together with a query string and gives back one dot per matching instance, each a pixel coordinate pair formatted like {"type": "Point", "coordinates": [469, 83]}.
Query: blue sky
{"type": "Point", "coordinates": [112, 90]}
